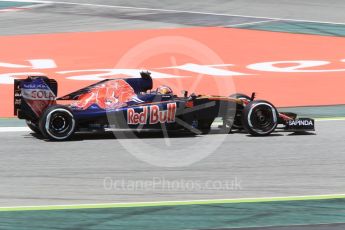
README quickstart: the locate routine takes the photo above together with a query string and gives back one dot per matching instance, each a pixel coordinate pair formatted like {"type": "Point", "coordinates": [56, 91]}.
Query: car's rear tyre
{"type": "Point", "coordinates": [260, 118]}
{"type": "Point", "coordinates": [33, 126]}
{"type": "Point", "coordinates": [57, 123]}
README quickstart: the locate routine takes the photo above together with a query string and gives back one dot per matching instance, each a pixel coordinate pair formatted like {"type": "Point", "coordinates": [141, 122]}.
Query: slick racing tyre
{"type": "Point", "coordinates": [33, 126]}
{"type": "Point", "coordinates": [57, 123]}
{"type": "Point", "coordinates": [260, 118]}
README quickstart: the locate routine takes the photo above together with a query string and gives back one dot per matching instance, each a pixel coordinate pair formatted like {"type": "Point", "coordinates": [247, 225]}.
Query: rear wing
{"type": "Point", "coordinates": [32, 95]}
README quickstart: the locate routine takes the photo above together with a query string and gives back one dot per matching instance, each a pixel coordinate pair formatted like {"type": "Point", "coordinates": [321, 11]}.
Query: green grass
{"type": "Point", "coordinates": [10, 4]}
{"type": "Point", "coordinates": [197, 215]}
{"type": "Point", "coordinates": [299, 27]}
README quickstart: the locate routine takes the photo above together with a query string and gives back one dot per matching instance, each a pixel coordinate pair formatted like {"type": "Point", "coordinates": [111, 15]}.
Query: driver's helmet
{"type": "Point", "coordinates": [163, 89]}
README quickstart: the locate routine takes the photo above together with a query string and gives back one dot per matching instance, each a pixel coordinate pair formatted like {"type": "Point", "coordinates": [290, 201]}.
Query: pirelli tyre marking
{"type": "Point", "coordinates": [274, 114]}
{"type": "Point", "coordinates": [64, 128]}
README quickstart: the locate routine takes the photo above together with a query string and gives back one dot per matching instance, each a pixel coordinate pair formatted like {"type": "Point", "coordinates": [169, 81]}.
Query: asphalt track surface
{"type": "Point", "coordinates": [54, 173]}
{"type": "Point", "coordinates": [37, 172]}
{"type": "Point", "coordinates": [100, 168]}
{"type": "Point", "coordinates": [99, 15]}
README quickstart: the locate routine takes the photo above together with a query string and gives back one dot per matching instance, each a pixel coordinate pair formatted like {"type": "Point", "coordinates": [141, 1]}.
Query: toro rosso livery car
{"type": "Point", "coordinates": [130, 103]}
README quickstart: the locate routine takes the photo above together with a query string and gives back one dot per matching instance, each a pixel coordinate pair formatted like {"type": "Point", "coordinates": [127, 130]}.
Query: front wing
{"type": "Point", "coordinates": [299, 125]}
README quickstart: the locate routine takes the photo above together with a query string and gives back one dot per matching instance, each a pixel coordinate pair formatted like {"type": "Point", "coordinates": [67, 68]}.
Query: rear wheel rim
{"type": "Point", "coordinates": [60, 124]}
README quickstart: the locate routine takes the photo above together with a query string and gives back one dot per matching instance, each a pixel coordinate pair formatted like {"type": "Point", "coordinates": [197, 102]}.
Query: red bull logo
{"type": "Point", "coordinates": [152, 114]}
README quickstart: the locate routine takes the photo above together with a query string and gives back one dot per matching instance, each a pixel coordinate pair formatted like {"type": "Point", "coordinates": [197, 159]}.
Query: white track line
{"type": "Point", "coordinates": [179, 202]}
{"type": "Point", "coordinates": [13, 9]}
{"type": "Point", "coordinates": [13, 129]}
{"type": "Point", "coordinates": [251, 23]}
{"type": "Point", "coordinates": [177, 11]}
{"type": "Point", "coordinates": [330, 119]}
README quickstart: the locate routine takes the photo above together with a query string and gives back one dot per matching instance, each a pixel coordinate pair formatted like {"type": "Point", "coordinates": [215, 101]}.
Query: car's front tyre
{"type": "Point", "coordinates": [57, 123]}
{"type": "Point", "coordinates": [260, 118]}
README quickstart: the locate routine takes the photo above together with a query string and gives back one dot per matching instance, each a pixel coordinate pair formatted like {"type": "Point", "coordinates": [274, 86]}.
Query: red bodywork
{"type": "Point", "coordinates": [110, 94]}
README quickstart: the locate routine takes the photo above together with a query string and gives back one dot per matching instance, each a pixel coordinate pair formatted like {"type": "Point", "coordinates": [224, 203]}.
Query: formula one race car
{"type": "Point", "coordinates": [130, 103]}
